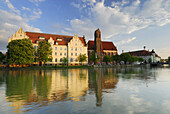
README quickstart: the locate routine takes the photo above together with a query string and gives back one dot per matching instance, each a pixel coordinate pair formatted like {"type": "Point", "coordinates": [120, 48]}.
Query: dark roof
{"type": "Point", "coordinates": [65, 39]}
{"type": "Point", "coordinates": [105, 45]}
{"type": "Point", "coordinates": [141, 53]}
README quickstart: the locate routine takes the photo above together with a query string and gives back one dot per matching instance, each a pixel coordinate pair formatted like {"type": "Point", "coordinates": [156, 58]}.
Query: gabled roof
{"type": "Point", "coordinates": [65, 39]}
{"type": "Point", "coordinates": [141, 53]}
{"type": "Point", "coordinates": [105, 45]}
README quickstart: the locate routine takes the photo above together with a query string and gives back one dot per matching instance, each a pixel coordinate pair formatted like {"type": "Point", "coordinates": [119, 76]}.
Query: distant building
{"type": "Point", "coordinates": [100, 47]}
{"type": "Point", "coordinates": [62, 46]}
{"type": "Point", "coordinates": [146, 55]}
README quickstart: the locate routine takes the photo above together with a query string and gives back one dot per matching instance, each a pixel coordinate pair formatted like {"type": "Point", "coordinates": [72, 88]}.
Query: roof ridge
{"type": "Point", "coordinates": [50, 34]}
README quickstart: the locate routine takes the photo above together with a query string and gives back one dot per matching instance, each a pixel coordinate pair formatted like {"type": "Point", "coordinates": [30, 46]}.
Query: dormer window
{"type": "Point", "coordinates": [56, 43]}
{"type": "Point", "coordinates": [20, 34]}
{"type": "Point", "coordinates": [41, 37]}
{"type": "Point", "coordinates": [59, 39]}
{"type": "Point", "coordinates": [51, 43]}
{"type": "Point", "coordinates": [37, 42]}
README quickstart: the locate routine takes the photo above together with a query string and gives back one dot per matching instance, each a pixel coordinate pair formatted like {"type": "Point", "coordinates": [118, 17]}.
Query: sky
{"type": "Point", "coordinates": [129, 24]}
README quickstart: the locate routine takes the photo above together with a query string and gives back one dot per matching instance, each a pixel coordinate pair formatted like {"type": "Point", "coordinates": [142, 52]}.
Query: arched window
{"type": "Point", "coordinates": [109, 53]}
{"type": "Point", "coordinates": [71, 60]}
{"type": "Point", "coordinates": [61, 59]}
{"type": "Point", "coordinates": [55, 59]}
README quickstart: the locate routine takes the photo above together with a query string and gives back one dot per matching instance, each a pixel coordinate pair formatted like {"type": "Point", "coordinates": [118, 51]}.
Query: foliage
{"type": "Point", "coordinates": [44, 52]}
{"type": "Point", "coordinates": [82, 58]}
{"type": "Point", "coordinates": [20, 52]}
{"type": "Point", "coordinates": [107, 58]}
{"type": "Point", "coordinates": [2, 56]}
{"type": "Point", "coordinates": [149, 60]}
{"type": "Point", "coordinates": [64, 60]}
{"type": "Point", "coordinates": [116, 58]}
{"type": "Point", "coordinates": [94, 58]}
{"type": "Point", "coordinates": [126, 57]}
{"type": "Point", "coordinates": [169, 59]}
{"type": "Point", "coordinates": [140, 59]}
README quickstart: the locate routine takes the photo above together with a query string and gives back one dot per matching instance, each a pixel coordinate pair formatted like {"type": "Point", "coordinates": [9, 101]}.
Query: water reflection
{"type": "Point", "coordinates": [30, 89]}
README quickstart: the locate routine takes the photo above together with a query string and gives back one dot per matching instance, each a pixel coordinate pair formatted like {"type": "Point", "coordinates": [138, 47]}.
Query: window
{"type": "Point", "coordinates": [71, 54]}
{"type": "Point", "coordinates": [75, 49]}
{"type": "Point", "coordinates": [55, 53]}
{"type": "Point", "coordinates": [109, 53]}
{"type": "Point", "coordinates": [55, 48]}
{"type": "Point", "coordinates": [75, 54]}
{"type": "Point", "coordinates": [56, 43]}
{"type": "Point", "coordinates": [59, 39]}
{"type": "Point", "coordinates": [51, 48]}
{"type": "Point", "coordinates": [65, 49]}
{"type": "Point", "coordinates": [65, 54]}
{"type": "Point", "coordinates": [60, 54]}
{"type": "Point", "coordinates": [55, 59]}
{"type": "Point", "coordinates": [80, 49]}
{"type": "Point", "coordinates": [20, 34]}
{"type": "Point", "coordinates": [60, 48]}
{"type": "Point", "coordinates": [51, 43]}
{"type": "Point", "coordinates": [35, 47]}
{"type": "Point", "coordinates": [71, 60]}
{"type": "Point", "coordinates": [61, 59]}
{"type": "Point", "coordinates": [76, 44]}
{"type": "Point", "coordinates": [71, 49]}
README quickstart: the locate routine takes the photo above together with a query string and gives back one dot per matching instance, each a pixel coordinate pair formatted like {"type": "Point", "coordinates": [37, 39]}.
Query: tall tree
{"type": "Point", "coordinates": [20, 52]}
{"type": "Point", "coordinates": [44, 52]}
{"type": "Point", "coordinates": [82, 58]}
{"type": "Point", "coordinates": [116, 58]}
{"type": "Point", "coordinates": [107, 58]}
{"type": "Point", "coordinates": [94, 57]}
{"type": "Point", "coordinates": [64, 61]}
{"type": "Point", "coordinates": [2, 56]}
{"type": "Point", "coordinates": [125, 57]}
{"type": "Point", "coordinates": [140, 59]}
{"type": "Point", "coordinates": [169, 59]}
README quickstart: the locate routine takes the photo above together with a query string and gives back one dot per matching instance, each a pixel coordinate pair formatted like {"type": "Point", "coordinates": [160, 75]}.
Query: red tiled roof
{"type": "Point", "coordinates": [65, 39]}
{"type": "Point", "coordinates": [105, 45]}
{"type": "Point", "coordinates": [141, 53]}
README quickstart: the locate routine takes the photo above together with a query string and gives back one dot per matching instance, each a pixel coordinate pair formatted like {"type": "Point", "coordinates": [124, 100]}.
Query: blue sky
{"type": "Point", "coordinates": [129, 24]}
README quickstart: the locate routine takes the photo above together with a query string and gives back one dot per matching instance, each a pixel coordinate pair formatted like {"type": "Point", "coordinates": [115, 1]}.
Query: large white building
{"type": "Point", "coordinates": [62, 46]}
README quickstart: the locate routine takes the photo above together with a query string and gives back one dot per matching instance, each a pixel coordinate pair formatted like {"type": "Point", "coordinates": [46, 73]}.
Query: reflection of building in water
{"type": "Point", "coordinates": [68, 84]}
{"type": "Point", "coordinates": [38, 88]}
{"type": "Point", "coordinates": [101, 79]}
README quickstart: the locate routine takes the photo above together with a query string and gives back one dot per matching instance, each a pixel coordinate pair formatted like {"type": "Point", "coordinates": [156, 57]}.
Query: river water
{"type": "Point", "coordinates": [126, 90]}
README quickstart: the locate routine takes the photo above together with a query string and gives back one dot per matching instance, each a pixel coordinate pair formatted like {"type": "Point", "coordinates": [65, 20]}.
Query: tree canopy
{"type": "Point", "coordinates": [126, 57]}
{"type": "Point", "coordinates": [107, 58]}
{"type": "Point", "coordinates": [20, 52]}
{"type": "Point", "coordinates": [64, 60]}
{"type": "Point", "coordinates": [94, 58]}
{"type": "Point", "coordinates": [2, 56]}
{"type": "Point", "coordinates": [44, 52]}
{"type": "Point", "coordinates": [116, 58]}
{"type": "Point", "coordinates": [82, 58]}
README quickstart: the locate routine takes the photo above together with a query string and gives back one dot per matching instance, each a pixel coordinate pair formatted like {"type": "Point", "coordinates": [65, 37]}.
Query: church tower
{"type": "Point", "coordinates": [98, 44]}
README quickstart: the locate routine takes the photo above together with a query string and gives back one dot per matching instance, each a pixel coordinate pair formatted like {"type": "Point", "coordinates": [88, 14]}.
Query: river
{"type": "Point", "coordinates": [122, 90]}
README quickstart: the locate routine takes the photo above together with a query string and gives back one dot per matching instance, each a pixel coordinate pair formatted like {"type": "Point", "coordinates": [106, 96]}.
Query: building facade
{"type": "Point", "coordinates": [100, 48]}
{"type": "Point", "coordinates": [62, 46]}
{"type": "Point", "coordinates": [148, 56]}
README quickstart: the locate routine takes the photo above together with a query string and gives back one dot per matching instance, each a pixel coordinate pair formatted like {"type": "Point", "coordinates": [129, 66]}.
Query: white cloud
{"type": "Point", "coordinates": [10, 6]}
{"type": "Point", "coordinates": [11, 22]}
{"type": "Point", "coordinates": [36, 14]}
{"type": "Point", "coordinates": [127, 41]}
{"type": "Point", "coordinates": [36, 2]}
{"type": "Point", "coordinates": [120, 18]}
{"type": "Point", "coordinates": [25, 8]}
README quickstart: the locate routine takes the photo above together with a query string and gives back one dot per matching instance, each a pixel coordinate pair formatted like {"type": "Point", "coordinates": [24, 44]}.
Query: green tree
{"type": "Point", "coordinates": [149, 60]}
{"type": "Point", "coordinates": [169, 59]}
{"type": "Point", "coordinates": [140, 59]}
{"type": "Point", "coordinates": [107, 58]}
{"type": "Point", "coordinates": [20, 52]}
{"type": "Point", "coordinates": [133, 59]}
{"type": "Point", "coordinates": [94, 58]}
{"type": "Point", "coordinates": [44, 52]}
{"type": "Point", "coordinates": [82, 58]}
{"type": "Point", "coordinates": [126, 57]}
{"type": "Point", "coordinates": [116, 58]}
{"type": "Point", "coordinates": [64, 61]}
{"type": "Point", "coordinates": [2, 57]}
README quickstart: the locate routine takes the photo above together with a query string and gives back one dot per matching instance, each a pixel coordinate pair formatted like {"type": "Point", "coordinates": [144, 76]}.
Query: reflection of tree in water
{"type": "Point", "coordinates": [3, 75]}
{"type": "Point", "coordinates": [100, 80]}
{"type": "Point", "coordinates": [141, 73]}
